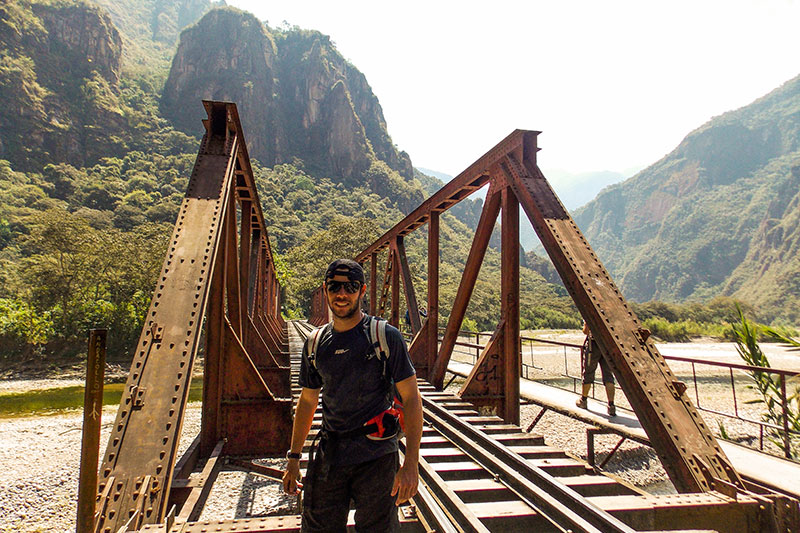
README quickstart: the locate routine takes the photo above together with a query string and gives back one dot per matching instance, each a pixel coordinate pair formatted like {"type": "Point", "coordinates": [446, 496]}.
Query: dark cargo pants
{"type": "Point", "coordinates": [328, 489]}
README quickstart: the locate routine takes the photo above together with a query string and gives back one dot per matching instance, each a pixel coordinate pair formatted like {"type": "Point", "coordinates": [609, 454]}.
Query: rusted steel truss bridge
{"type": "Point", "coordinates": [218, 295]}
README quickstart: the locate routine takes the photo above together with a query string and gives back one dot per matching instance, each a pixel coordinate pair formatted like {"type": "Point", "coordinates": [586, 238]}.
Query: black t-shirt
{"type": "Point", "coordinates": [353, 385]}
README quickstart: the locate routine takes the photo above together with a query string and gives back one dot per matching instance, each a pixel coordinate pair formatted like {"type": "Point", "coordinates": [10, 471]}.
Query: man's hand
{"type": "Point", "coordinates": [407, 478]}
{"type": "Point", "coordinates": [291, 478]}
{"type": "Point", "coordinates": [405, 482]}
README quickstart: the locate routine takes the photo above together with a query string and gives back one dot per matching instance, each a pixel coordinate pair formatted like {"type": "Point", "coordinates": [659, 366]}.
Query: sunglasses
{"type": "Point", "coordinates": [350, 287]}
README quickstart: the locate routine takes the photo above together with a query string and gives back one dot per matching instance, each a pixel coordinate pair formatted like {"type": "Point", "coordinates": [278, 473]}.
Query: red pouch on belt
{"type": "Point", "coordinates": [388, 423]}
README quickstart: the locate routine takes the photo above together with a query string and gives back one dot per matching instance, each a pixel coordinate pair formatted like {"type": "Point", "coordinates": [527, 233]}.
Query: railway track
{"type": "Point", "coordinates": [480, 474]}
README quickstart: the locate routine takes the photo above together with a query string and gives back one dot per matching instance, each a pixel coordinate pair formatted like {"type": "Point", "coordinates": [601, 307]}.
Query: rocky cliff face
{"type": "Point", "coordinates": [297, 96]}
{"type": "Point", "coordinates": [681, 228]}
{"type": "Point", "coordinates": [85, 35]}
{"type": "Point", "coordinates": [229, 56]}
{"type": "Point", "coordinates": [60, 83]}
{"type": "Point", "coordinates": [769, 275]}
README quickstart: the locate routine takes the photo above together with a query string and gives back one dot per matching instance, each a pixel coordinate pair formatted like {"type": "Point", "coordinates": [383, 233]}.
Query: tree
{"type": "Point", "coordinates": [345, 237]}
{"type": "Point", "coordinates": [63, 255]}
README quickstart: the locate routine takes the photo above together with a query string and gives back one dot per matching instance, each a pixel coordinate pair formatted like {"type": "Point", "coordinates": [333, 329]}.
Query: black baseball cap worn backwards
{"type": "Point", "coordinates": [345, 267]}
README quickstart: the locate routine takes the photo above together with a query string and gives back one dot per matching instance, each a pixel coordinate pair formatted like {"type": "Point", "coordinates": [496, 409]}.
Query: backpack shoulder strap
{"type": "Point", "coordinates": [376, 333]}
{"type": "Point", "coordinates": [313, 344]}
{"type": "Point", "coordinates": [382, 343]}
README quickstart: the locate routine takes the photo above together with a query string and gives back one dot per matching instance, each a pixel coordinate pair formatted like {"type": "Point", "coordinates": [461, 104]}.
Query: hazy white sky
{"type": "Point", "coordinates": [613, 85]}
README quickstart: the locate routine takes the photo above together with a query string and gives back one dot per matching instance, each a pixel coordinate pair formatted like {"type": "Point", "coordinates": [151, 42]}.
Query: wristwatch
{"type": "Point", "coordinates": [293, 455]}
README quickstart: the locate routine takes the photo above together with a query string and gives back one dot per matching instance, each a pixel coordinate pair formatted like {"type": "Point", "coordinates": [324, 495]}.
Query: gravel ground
{"type": "Point", "coordinates": [39, 456]}
{"type": "Point", "coordinates": [40, 459]}
{"type": "Point", "coordinates": [254, 495]}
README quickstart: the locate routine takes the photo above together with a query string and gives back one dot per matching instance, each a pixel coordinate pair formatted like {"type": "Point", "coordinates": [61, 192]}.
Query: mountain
{"type": "Point", "coordinates": [92, 172]}
{"type": "Point", "coordinates": [150, 30]}
{"type": "Point", "coordinates": [770, 272]}
{"type": "Point", "coordinates": [59, 78]}
{"type": "Point", "coordinates": [298, 99]}
{"type": "Point", "coordinates": [100, 130]}
{"type": "Point", "coordinates": [716, 215]}
{"type": "Point", "coordinates": [441, 177]}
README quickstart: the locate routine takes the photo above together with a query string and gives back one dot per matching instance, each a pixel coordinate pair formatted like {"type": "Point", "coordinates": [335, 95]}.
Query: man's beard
{"type": "Point", "coordinates": [346, 313]}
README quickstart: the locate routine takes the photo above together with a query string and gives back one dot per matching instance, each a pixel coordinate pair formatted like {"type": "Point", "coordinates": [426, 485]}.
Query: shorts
{"type": "Point", "coordinates": [591, 361]}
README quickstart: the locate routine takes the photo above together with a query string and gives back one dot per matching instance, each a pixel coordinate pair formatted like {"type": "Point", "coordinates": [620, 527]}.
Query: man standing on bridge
{"type": "Point", "coordinates": [357, 453]}
{"type": "Point", "coordinates": [590, 357]}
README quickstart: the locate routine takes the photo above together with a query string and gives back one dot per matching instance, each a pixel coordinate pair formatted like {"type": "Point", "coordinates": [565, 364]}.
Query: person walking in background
{"type": "Point", "coordinates": [590, 357]}
{"type": "Point", "coordinates": [423, 313]}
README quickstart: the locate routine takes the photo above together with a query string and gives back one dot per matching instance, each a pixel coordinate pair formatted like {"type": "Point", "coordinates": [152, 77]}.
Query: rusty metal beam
{"type": "Point", "coordinates": [394, 278]}
{"type": "Point", "coordinates": [162, 367]}
{"type": "Point", "coordinates": [491, 208]}
{"type": "Point", "coordinates": [194, 502]}
{"type": "Point", "coordinates": [212, 369]}
{"type": "Point", "coordinates": [494, 380]}
{"type": "Point", "coordinates": [687, 448]}
{"type": "Point", "coordinates": [373, 283]}
{"type": "Point", "coordinates": [256, 266]}
{"type": "Point", "coordinates": [432, 345]}
{"type": "Point", "coordinates": [460, 187]}
{"type": "Point", "coordinates": [245, 256]}
{"type": "Point", "coordinates": [202, 277]}
{"type": "Point", "coordinates": [387, 284]}
{"type": "Point", "coordinates": [418, 351]}
{"type": "Point", "coordinates": [266, 286]}
{"type": "Point", "coordinates": [509, 306]}
{"type": "Point", "coordinates": [319, 308]}
{"type": "Point", "coordinates": [484, 384]}
{"type": "Point", "coordinates": [399, 249]}
{"type": "Point", "coordinates": [232, 289]}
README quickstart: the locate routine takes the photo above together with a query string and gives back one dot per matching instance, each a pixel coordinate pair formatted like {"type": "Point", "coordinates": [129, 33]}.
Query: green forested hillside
{"type": "Point", "coordinates": [150, 30]}
{"type": "Point", "coordinates": [93, 167]}
{"type": "Point", "coordinates": [298, 99]}
{"type": "Point", "coordinates": [715, 216]}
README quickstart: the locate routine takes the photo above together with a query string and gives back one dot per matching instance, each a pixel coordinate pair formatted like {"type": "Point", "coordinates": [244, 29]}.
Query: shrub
{"type": "Point", "coordinates": [769, 385]}
{"type": "Point", "coordinates": [23, 327]}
